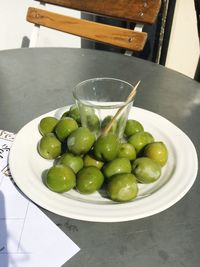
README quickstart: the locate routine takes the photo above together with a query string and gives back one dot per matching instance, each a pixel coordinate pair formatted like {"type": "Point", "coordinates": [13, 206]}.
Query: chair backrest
{"type": "Point", "coordinates": [138, 11]}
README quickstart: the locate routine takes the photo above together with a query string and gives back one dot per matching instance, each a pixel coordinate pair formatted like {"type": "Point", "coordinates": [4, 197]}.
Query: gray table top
{"type": "Point", "coordinates": [35, 81]}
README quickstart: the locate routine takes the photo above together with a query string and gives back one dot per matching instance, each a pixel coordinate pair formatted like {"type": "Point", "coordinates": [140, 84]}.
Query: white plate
{"type": "Point", "coordinates": [177, 176]}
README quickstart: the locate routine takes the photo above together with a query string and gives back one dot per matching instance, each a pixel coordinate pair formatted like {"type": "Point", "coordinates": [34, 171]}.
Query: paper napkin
{"type": "Point", "coordinates": [28, 238]}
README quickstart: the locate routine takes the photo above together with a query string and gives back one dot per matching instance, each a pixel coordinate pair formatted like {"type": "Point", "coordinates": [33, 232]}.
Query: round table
{"type": "Point", "coordinates": [35, 81]}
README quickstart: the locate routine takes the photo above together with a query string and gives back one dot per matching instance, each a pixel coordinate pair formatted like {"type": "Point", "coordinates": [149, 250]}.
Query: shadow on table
{"type": "Point", "coordinates": [3, 234]}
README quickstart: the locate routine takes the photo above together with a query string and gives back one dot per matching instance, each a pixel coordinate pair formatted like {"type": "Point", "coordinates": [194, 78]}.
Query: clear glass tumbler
{"type": "Point", "coordinates": [99, 99]}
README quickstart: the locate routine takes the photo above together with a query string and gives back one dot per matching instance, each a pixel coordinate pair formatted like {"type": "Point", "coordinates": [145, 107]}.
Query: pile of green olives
{"type": "Point", "coordinates": [88, 163]}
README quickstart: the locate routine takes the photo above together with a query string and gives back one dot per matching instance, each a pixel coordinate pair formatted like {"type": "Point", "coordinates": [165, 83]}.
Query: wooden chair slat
{"type": "Point", "coordinates": [137, 11]}
{"type": "Point", "coordinates": [125, 38]}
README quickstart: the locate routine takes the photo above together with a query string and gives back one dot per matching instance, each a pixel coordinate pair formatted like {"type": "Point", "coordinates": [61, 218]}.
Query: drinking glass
{"type": "Point", "coordinates": [99, 99]}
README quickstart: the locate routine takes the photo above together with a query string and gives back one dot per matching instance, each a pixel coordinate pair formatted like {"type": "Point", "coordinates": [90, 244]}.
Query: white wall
{"type": "Point", "coordinates": [183, 52]}
{"type": "Point", "coordinates": [14, 27]}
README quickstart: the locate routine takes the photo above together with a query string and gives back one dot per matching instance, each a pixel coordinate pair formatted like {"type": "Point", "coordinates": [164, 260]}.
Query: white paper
{"type": "Point", "coordinates": [28, 238]}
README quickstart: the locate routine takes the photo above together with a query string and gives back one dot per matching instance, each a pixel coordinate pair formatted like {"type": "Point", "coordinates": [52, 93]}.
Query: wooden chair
{"type": "Point", "coordinates": [138, 11]}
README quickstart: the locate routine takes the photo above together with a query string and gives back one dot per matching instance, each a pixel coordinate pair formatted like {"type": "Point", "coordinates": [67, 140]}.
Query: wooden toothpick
{"type": "Point", "coordinates": [120, 110]}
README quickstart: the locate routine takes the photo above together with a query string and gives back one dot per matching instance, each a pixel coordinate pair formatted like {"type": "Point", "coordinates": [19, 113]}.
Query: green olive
{"type": "Point", "coordinates": [80, 141]}
{"type": "Point", "coordinates": [89, 179]}
{"type": "Point", "coordinates": [74, 113]}
{"type": "Point", "coordinates": [93, 122]}
{"type": "Point", "coordinates": [127, 150]}
{"type": "Point", "coordinates": [105, 122]}
{"type": "Point", "coordinates": [72, 161]}
{"type": "Point", "coordinates": [140, 140]}
{"type": "Point", "coordinates": [65, 114]}
{"type": "Point", "coordinates": [122, 187]}
{"type": "Point", "coordinates": [88, 117]}
{"type": "Point", "coordinates": [116, 166]}
{"type": "Point", "coordinates": [60, 178]}
{"type": "Point", "coordinates": [47, 125]}
{"type": "Point", "coordinates": [132, 127]}
{"type": "Point", "coordinates": [146, 170]}
{"type": "Point", "coordinates": [90, 160]}
{"type": "Point", "coordinates": [64, 127]}
{"type": "Point", "coordinates": [49, 146]}
{"type": "Point", "coordinates": [106, 147]}
{"type": "Point", "coordinates": [86, 110]}
{"type": "Point", "coordinates": [157, 151]}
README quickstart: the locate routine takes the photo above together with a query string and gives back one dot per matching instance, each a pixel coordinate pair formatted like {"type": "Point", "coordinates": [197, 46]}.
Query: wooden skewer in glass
{"type": "Point", "coordinates": [120, 110]}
